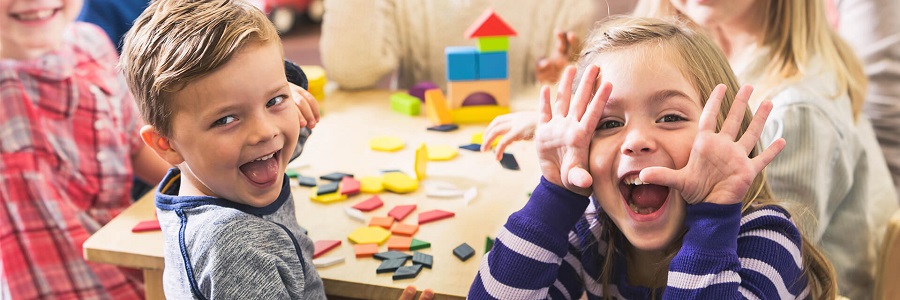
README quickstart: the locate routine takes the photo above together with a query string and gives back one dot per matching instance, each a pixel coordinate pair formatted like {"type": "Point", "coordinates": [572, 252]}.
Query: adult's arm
{"type": "Point", "coordinates": [359, 42]}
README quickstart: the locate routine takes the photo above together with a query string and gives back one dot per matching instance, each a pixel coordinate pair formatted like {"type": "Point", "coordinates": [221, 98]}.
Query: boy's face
{"type": "Point", "coordinates": [31, 28]}
{"type": "Point", "coordinates": [651, 119]}
{"type": "Point", "coordinates": [236, 128]}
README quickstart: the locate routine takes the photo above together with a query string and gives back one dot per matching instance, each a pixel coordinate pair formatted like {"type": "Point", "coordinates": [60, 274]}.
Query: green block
{"type": "Point", "coordinates": [488, 244]}
{"type": "Point", "coordinates": [493, 44]}
{"type": "Point", "coordinates": [405, 104]}
{"type": "Point", "coordinates": [417, 244]}
{"type": "Point", "coordinates": [291, 173]}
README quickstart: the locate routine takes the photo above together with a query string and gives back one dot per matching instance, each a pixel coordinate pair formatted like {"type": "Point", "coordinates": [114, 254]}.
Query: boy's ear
{"type": "Point", "coordinates": [160, 145]}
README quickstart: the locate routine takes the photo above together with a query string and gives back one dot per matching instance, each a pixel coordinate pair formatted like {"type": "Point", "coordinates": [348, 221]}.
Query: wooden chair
{"type": "Point", "coordinates": [887, 276]}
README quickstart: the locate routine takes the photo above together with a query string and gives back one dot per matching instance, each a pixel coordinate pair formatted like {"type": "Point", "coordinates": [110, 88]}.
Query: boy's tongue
{"type": "Point", "coordinates": [649, 196]}
{"type": "Point", "coordinates": [261, 171]}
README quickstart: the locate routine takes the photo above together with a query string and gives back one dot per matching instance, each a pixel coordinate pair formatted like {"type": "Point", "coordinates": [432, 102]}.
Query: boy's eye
{"type": "Point", "coordinates": [670, 118]}
{"type": "Point", "coordinates": [224, 121]}
{"type": "Point", "coordinates": [275, 101]}
{"type": "Point", "coordinates": [609, 125]}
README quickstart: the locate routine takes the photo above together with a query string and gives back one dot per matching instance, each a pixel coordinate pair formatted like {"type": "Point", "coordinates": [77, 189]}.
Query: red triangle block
{"type": "Point", "coordinates": [401, 211]}
{"type": "Point", "coordinates": [349, 186]}
{"type": "Point", "coordinates": [489, 24]}
{"type": "Point", "coordinates": [370, 204]}
{"type": "Point", "coordinates": [323, 246]}
{"type": "Point", "coordinates": [434, 215]}
{"type": "Point", "coordinates": [149, 225]}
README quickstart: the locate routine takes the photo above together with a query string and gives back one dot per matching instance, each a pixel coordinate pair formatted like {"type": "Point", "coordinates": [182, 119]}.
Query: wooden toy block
{"type": "Point", "coordinates": [434, 215]}
{"type": "Point", "coordinates": [509, 161]}
{"type": "Point", "coordinates": [399, 242]}
{"type": "Point", "coordinates": [306, 181]}
{"type": "Point", "coordinates": [355, 214]}
{"type": "Point", "coordinates": [392, 171]}
{"type": "Point", "coordinates": [405, 104]}
{"type": "Point", "coordinates": [349, 186]}
{"type": "Point", "coordinates": [419, 244]}
{"type": "Point", "coordinates": [470, 195]}
{"type": "Point", "coordinates": [463, 252]}
{"type": "Point", "coordinates": [399, 183]}
{"type": "Point", "coordinates": [459, 91]}
{"type": "Point", "coordinates": [392, 255]}
{"type": "Point", "coordinates": [462, 63]}
{"type": "Point", "coordinates": [371, 185]}
{"type": "Point", "coordinates": [473, 147]}
{"type": "Point", "coordinates": [421, 161]}
{"type": "Point", "coordinates": [326, 198]}
{"type": "Point", "coordinates": [488, 244]}
{"type": "Point", "coordinates": [407, 272]}
{"type": "Point", "coordinates": [148, 225]}
{"type": "Point", "coordinates": [336, 176]}
{"type": "Point", "coordinates": [418, 90]}
{"type": "Point", "coordinates": [329, 188]}
{"type": "Point", "coordinates": [478, 114]}
{"type": "Point", "coordinates": [492, 65]}
{"type": "Point", "coordinates": [436, 107]}
{"type": "Point", "coordinates": [370, 204]}
{"type": "Point", "coordinates": [400, 212]}
{"type": "Point", "coordinates": [390, 265]}
{"type": "Point", "coordinates": [404, 229]}
{"type": "Point", "coordinates": [291, 173]}
{"type": "Point", "coordinates": [365, 250]}
{"type": "Point", "coordinates": [444, 128]}
{"type": "Point", "coordinates": [327, 261]}
{"type": "Point", "coordinates": [383, 222]}
{"type": "Point", "coordinates": [324, 246]}
{"type": "Point", "coordinates": [489, 24]}
{"type": "Point", "coordinates": [386, 143]}
{"type": "Point", "coordinates": [478, 138]}
{"type": "Point", "coordinates": [317, 81]}
{"type": "Point", "coordinates": [441, 152]}
{"type": "Point", "coordinates": [442, 190]}
{"type": "Point", "coordinates": [493, 44]}
{"type": "Point", "coordinates": [369, 235]}
{"type": "Point", "coordinates": [423, 259]}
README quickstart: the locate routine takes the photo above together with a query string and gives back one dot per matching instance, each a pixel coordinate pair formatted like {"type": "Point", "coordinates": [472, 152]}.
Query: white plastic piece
{"type": "Point", "coordinates": [355, 214]}
{"type": "Point", "coordinates": [470, 195]}
{"type": "Point", "coordinates": [323, 262]}
{"type": "Point", "coordinates": [438, 189]}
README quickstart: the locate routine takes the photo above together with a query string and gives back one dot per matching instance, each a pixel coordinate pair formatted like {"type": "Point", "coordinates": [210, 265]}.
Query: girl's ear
{"type": "Point", "coordinates": [160, 145]}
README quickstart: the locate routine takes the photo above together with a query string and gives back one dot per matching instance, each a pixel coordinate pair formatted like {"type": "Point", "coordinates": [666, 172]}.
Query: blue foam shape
{"type": "Point", "coordinates": [462, 63]}
{"type": "Point", "coordinates": [492, 65]}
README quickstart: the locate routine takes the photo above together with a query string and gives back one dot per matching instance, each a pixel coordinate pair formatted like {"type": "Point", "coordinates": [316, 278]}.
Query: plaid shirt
{"type": "Point", "coordinates": [68, 130]}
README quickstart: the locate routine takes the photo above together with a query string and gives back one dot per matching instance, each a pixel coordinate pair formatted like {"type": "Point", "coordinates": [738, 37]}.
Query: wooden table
{"type": "Point", "coordinates": [340, 143]}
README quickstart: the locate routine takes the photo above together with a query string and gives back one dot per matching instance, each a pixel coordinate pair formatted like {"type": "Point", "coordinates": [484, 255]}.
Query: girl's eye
{"type": "Point", "coordinates": [670, 118]}
{"type": "Point", "coordinates": [275, 101]}
{"type": "Point", "coordinates": [224, 121]}
{"type": "Point", "coordinates": [610, 125]}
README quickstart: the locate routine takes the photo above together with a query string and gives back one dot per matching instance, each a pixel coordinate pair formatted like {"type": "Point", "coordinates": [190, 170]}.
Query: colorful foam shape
{"type": "Point", "coordinates": [441, 152]}
{"type": "Point", "coordinates": [509, 162]}
{"type": "Point", "coordinates": [291, 173]}
{"type": "Point", "coordinates": [488, 244]}
{"type": "Point", "coordinates": [407, 272]}
{"type": "Point", "coordinates": [473, 147]}
{"type": "Point", "coordinates": [327, 188]}
{"type": "Point", "coordinates": [478, 138]}
{"type": "Point", "coordinates": [493, 44]}
{"type": "Point", "coordinates": [327, 261]}
{"type": "Point", "coordinates": [436, 107]}
{"type": "Point", "coordinates": [392, 255]}
{"type": "Point", "coordinates": [492, 65]}
{"type": "Point", "coordinates": [326, 198]}
{"type": "Point", "coordinates": [459, 91]}
{"type": "Point", "coordinates": [369, 235]}
{"type": "Point", "coordinates": [386, 143]}
{"type": "Point", "coordinates": [335, 176]}
{"type": "Point", "coordinates": [400, 212]}
{"type": "Point", "coordinates": [489, 24]}
{"type": "Point", "coordinates": [421, 165]}
{"type": "Point", "coordinates": [148, 225]}
{"type": "Point", "coordinates": [423, 259]}
{"type": "Point", "coordinates": [355, 214]}
{"type": "Point", "coordinates": [349, 186]}
{"type": "Point", "coordinates": [365, 250]}
{"type": "Point", "coordinates": [390, 265]}
{"type": "Point", "coordinates": [445, 127]}
{"type": "Point", "coordinates": [383, 222]}
{"type": "Point", "coordinates": [370, 204]}
{"type": "Point", "coordinates": [463, 252]}
{"type": "Point", "coordinates": [462, 63]}
{"type": "Point", "coordinates": [404, 229]}
{"type": "Point", "coordinates": [324, 246]}
{"type": "Point", "coordinates": [478, 114]}
{"type": "Point", "coordinates": [434, 215]}
{"type": "Point", "coordinates": [400, 183]}
{"type": "Point", "coordinates": [418, 90]}
{"type": "Point", "coordinates": [405, 104]}
{"type": "Point", "coordinates": [419, 244]}
{"type": "Point", "coordinates": [371, 185]}
{"type": "Point", "coordinates": [479, 98]}
{"type": "Point", "coordinates": [317, 80]}
{"type": "Point", "coordinates": [306, 181]}
{"type": "Point", "coordinates": [399, 242]}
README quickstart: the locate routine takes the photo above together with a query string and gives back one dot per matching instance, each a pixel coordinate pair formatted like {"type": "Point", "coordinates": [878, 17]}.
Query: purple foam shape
{"type": "Point", "coordinates": [419, 89]}
{"type": "Point", "coordinates": [479, 98]}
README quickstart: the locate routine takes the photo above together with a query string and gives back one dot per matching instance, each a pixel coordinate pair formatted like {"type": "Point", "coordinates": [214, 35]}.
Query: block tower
{"type": "Point", "coordinates": [477, 77]}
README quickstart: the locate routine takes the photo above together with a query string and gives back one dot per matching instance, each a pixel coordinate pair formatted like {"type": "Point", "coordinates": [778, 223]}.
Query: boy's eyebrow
{"type": "Point", "coordinates": [231, 107]}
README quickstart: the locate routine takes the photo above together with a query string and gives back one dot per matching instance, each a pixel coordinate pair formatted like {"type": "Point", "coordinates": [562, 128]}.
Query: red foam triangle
{"type": "Point", "coordinates": [434, 215]}
{"type": "Point", "coordinates": [149, 225]}
{"type": "Point", "coordinates": [489, 24]}
{"type": "Point", "coordinates": [349, 186]}
{"type": "Point", "coordinates": [323, 246]}
{"type": "Point", "coordinates": [401, 211]}
{"type": "Point", "coordinates": [370, 204]}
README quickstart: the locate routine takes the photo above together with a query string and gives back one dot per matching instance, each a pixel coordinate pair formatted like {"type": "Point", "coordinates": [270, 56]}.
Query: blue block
{"type": "Point", "coordinates": [492, 65]}
{"type": "Point", "coordinates": [462, 63]}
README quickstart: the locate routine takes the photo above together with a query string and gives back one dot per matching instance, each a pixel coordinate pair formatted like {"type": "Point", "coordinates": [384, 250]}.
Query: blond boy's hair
{"type": "Point", "coordinates": [174, 42]}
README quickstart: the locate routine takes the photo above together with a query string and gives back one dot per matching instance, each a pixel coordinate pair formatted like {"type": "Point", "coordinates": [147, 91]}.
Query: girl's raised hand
{"type": "Point", "coordinates": [566, 127]}
{"type": "Point", "coordinates": [719, 169]}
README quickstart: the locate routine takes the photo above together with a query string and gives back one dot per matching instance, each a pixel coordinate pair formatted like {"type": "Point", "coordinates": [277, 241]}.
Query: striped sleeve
{"type": "Point", "coordinates": [532, 257]}
{"type": "Point", "coordinates": [724, 256]}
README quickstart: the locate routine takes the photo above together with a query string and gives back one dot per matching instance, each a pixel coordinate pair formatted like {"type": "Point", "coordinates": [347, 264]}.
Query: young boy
{"type": "Point", "coordinates": [210, 81]}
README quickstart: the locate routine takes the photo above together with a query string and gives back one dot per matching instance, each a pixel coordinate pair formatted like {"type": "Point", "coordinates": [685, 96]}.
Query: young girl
{"type": "Point", "coordinates": [680, 206]}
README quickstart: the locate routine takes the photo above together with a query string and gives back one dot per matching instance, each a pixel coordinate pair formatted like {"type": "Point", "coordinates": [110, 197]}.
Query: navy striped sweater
{"type": "Point", "coordinates": [553, 249]}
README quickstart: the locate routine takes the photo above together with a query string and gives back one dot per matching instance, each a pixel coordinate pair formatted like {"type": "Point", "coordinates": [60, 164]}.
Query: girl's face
{"type": "Point", "coordinates": [710, 13]}
{"type": "Point", "coordinates": [651, 119]}
{"type": "Point", "coordinates": [29, 29]}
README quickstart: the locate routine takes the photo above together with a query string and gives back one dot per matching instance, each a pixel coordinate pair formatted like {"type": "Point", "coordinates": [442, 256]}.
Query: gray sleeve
{"type": "Point", "coordinates": [359, 41]}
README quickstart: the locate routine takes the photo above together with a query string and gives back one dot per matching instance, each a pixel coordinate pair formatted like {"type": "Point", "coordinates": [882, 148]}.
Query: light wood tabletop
{"type": "Point", "coordinates": [340, 144]}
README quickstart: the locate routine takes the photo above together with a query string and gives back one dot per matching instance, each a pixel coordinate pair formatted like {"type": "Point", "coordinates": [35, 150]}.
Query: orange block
{"type": "Point", "coordinates": [457, 91]}
{"type": "Point", "coordinates": [405, 229]}
{"type": "Point", "coordinates": [436, 107]}
{"type": "Point", "coordinates": [384, 222]}
{"type": "Point", "coordinates": [363, 250]}
{"type": "Point", "coordinates": [398, 242]}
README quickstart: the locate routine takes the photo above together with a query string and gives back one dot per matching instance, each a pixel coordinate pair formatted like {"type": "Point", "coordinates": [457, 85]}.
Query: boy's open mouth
{"type": "Point", "coordinates": [263, 169]}
{"type": "Point", "coordinates": [35, 15]}
{"type": "Point", "coordinates": [642, 198]}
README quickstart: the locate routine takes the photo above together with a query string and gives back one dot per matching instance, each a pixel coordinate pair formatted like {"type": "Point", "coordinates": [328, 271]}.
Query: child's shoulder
{"type": "Point", "coordinates": [91, 41]}
{"type": "Point", "coordinates": [769, 217]}
{"type": "Point", "coordinates": [220, 227]}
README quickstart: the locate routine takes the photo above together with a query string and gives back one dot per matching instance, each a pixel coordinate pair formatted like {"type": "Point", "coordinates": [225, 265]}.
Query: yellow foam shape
{"type": "Point", "coordinates": [436, 107]}
{"type": "Point", "coordinates": [477, 113]}
{"type": "Point", "coordinates": [421, 161]}
{"type": "Point", "coordinates": [399, 183]}
{"type": "Point", "coordinates": [478, 138]}
{"type": "Point", "coordinates": [371, 185]}
{"type": "Point", "coordinates": [386, 143]}
{"type": "Point", "coordinates": [326, 198]}
{"type": "Point", "coordinates": [441, 152]}
{"type": "Point", "coordinates": [369, 235]}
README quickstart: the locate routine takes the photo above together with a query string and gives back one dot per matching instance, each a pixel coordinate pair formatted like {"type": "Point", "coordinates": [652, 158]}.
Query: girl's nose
{"type": "Point", "coordinates": [637, 142]}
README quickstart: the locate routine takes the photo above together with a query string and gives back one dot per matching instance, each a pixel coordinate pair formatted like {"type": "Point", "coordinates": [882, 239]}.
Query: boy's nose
{"type": "Point", "coordinates": [263, 131]}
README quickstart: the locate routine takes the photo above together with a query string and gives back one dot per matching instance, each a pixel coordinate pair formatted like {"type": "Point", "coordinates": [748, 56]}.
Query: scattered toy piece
{"type": "Point", "coordinates": [291, 173]}
{"type": "Point", "coordinates": [392, 255]}
{"type": "Point", "coordinates": [370, 204]}
{"type": "Point", "coordinates": [350, 186]}
{"type": "Point", "coordinates": [417, 244]}
{"type": "Point", "coordinates": [364, 250]}
{"type": "Point", "coordinates": [509, 161]}
{"type": "Point", "coordinates": [306, 181]}
{"type": "Point", "coordinates": [488, 244]}
{"type": "Point", "coordinates": [336, 176]}
{"type": "Point", "coordinates": [323, 246]}
{"type": "Point", "coordinates": [441, 152]}
{"type": "Point", "coordinates": [444, 128]}
{"type": "Point", "coordinates": [400, 212]}
{"type": "Point", "coordinates": [371, 185]}
{"type": "Point", "coordinates": [463, 252]}
{"type": "Point", "coordinates": [328, 188]}
{"type": "Point", "coordinates": [399, 183]}
{"type": "Point", "coordinates": [327, 261]}
{"type": "Point", "coordinates": [326, 198]}
{"type": "Point", "coordinates": [436, 107]}
{"type": "Point", "coordinates": [442, 190]}
{"type": "Point", "coordinates": [434, 215]}
{"type": "Point", "coordinates": [404, 229]}
{"type": "Point", "coordinates": [419, 89]}
{"type": "Point", "coordinates": [405, 104]}
{"type": "Point", "coordinates": [148, 225]}
{"type": "Point", "coordinates": [421, 161]}
{"type": "Point", "coordinates": [399, 242]}
{"type": "Point", "coordinates": [386, 144]}
{"type": "Point", "coordinates": [471, 147]}
{"type": "Point", "coordinates": [407, 272]}
{"type": "Point", "coordinates": [419, 258]}
{"type": "Point", "coordinates": [478, 139]}
{"type": "Point", "coordinates": [470, 195]}
{"type": "Point", "coordinates": [369, 235]}
{"type": "Point", "coordinates": [390, 265]}
{"type": "Point", "coordinates": [355, 214]}
{"type": "Point", "coordinates": [383, 222]}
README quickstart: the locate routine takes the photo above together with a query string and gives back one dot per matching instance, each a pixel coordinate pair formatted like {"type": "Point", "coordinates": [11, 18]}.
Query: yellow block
{"type": "Point", "coordinates": [457, 91]}
{"type": "Point", "coordinates": [399, 183]}
{"type": "Point", "coordinates": [421, 161]}
{"type": "Point", "coordinates": [478, 138]}
{"type": "Point", "coordinates": [369, 235]}
{"type": "Point", "coordinates": [442, 152]}
{"type": "Point", "coordinates": [317, 80]}
{"type": "Point", "coordinates": [477, 113]}
{"type": "Point", "coordinates": [326, 198]}
{"type": "Point", "coordinates": [386, 143]}
{"type": "Point", "coordinates": [436, 107]}
{"type": "Point", "coordinates": [371, 185]}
